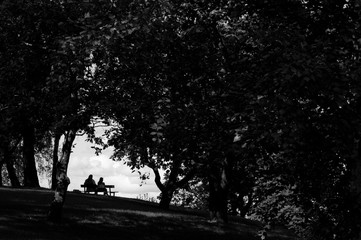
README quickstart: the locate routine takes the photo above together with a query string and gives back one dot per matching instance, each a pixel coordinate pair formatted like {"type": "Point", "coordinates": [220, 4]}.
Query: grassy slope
{"type": "Point", "coordinates": [23, 216]}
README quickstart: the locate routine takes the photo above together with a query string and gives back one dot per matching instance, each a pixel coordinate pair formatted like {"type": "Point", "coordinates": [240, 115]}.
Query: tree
{"type": "Point", "coordinates": [25, 68]}
{"type": "Point", "coordinates": [297, 101]}
{"type": "Point", "coordinates": [78, 88]}
{"type": "Point", "coordinates": [166, 93]}
{"type": "Point", "coordinates": [181, 81]}
{"type": "Point", "coordinates": [9, 160]}
{"type": "Point", "coordinates": [46, 71]}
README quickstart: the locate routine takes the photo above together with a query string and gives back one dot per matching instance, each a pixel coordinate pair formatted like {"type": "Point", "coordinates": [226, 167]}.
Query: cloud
{"type": "Point", "coordinates": [83, 162]}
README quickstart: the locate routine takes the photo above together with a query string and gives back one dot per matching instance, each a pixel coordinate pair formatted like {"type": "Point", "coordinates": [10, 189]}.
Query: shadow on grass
{"type": "Point", "coordinates": [23, 216]}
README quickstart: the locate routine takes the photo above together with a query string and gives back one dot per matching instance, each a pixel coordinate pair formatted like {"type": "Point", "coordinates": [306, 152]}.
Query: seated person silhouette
{"type": "Point", "coordinates": [90, 184]}
{"type": "Point", "coordinates": [101, 187]}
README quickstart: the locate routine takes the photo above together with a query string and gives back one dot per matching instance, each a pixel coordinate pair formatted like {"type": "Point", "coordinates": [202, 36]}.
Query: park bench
{"type": "Point", "coordinates": [110, 192]}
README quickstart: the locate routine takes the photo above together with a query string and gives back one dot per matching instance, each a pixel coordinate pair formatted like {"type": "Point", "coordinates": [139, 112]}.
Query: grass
{"type": "Point", "coordinates": [23, 216]}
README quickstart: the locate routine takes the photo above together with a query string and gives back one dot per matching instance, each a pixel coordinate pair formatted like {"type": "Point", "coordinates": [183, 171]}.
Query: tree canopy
{"type": "Point", "coordinates": [255, 102]}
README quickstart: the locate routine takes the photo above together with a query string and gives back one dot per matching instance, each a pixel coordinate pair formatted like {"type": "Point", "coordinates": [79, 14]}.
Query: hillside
{"type": "Point", "coordinates": [23, 216]}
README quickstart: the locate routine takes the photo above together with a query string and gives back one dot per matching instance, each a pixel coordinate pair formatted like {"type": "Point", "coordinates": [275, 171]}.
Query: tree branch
{"type": "Point", "coordinates": [157, 179]}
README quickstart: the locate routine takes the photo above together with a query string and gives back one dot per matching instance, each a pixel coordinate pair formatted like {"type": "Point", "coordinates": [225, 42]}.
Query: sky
{"type": "Point", "coordinates": [84, 161]}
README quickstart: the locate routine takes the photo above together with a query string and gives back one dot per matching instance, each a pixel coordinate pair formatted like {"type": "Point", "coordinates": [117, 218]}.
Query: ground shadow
{"type": "Point", "coordinates": [23, 216]}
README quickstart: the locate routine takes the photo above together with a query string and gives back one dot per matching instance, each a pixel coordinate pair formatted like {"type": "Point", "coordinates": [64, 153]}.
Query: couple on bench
{"type": "Point", "coordinates": [92, 187]}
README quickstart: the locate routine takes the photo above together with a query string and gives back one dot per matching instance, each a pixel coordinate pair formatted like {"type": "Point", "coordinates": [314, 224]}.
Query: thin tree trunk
{"type": "Point", "coordinates": [30, 172]}
{"type": "Point", "coordinates": [56, 207]}
{"type": "Point", "coordinates": [157, 180]}
{"type": "Point", "coordinates": [165, 198]}
{"type": "Point", "coordinates": [55, 160]}
{"type": "Point", "coordinates": [14, 180]}
{"type": "Point", "coordinates": [356, 181]}
{"type": "Point", "coordinates": [8, 159]}
{"type": "Point", "coordinates": [1, 172]}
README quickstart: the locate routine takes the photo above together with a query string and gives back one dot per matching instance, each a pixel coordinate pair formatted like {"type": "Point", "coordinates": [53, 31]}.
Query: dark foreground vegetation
{"type": "Point", "coordinates": [24, 212]}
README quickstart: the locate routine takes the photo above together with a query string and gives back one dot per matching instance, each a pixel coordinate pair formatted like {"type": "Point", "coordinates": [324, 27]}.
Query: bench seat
{"type": "Point", "coordinates": [86, 190]}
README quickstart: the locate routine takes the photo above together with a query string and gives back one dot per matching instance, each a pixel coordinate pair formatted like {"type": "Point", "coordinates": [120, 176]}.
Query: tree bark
{"type": "Point", "coordinates": [55, 160]}
{"type": "Point", "coordinates": [56, 207]}
{"type": "Point", "coordinates": [355, 184]}
{"type": "Point", "coordinates": [30, 172]}
{"type": "Point", "coordinates": [157, 180]}
{"type": "Point", "coordinates": [1, 172]}
{"type": "Point", "coordinates": [166, 198]}
{"type": "Point", "coordinates": [218, 195]}
{"type": "Point", "coordinates": [8, 150]}
{"type": "Point", "coordinates": [167, 194]}
{"type": "Point", "coordinates": [9, 160]}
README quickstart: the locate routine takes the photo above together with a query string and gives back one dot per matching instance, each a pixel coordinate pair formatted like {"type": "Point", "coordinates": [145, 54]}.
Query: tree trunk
{"type": "Point", "coordinates": [55, 160]}
{"type": "Point", "coordinates": [166, 198]}
{"type": "Point", "coordinates": [217, 202]}
{"type": "Point", "coordinates": [1, 172]}
{"type": "Point", "coordinates": [14, 180]}
{"type": "Point", "coordinates": [218, 195]}
{"type": "Point", "coordinates": [56, 207]}
{"type": "Point", "coordinates": [8, 159]}
{"type": "Point", "coordinates": [355, 184]}
{"type": "Point", "coordinates": [169, 188]}
{"type": "Point", "coordinates": [30, 172]}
